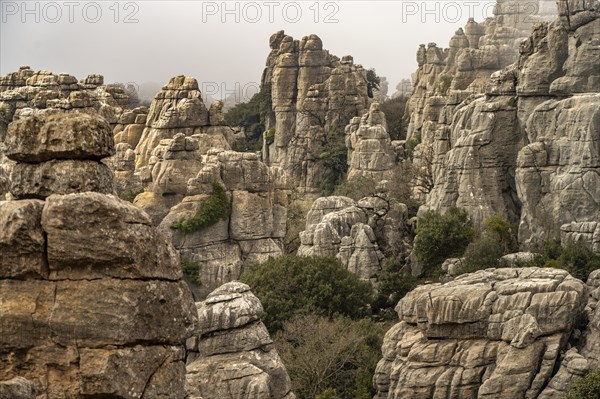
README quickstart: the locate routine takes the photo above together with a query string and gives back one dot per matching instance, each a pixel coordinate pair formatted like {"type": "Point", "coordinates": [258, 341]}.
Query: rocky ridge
{"type": "Point", "coordinates": [313, 97]}
{"type": "Point", "coordinates": [497, 333]}
{"type": "Point", "coordinates": [527, 149]}
{"type": "Point", "coordinates": [92, 302]}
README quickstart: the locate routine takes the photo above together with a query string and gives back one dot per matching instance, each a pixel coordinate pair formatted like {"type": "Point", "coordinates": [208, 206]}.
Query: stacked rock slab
{"type": "Point", "coordinates": [178, 108]}
{"type": "Point", "coordinates": [314, 95]}
{"type": "Point", "coordinates": [497, 333]}
{"type": "Point", "coordinates": [254, 230]}
{"type": "Point", "coordinates": [370, 151]}
{"type": "Point", "coordinates": [26, 92]}
{"type": "Point", "coordinates": [353, 232]}
{"type": "Point", "coordinates": [231, 355]}
{"type": "Point", "coordinates": [91, 298]}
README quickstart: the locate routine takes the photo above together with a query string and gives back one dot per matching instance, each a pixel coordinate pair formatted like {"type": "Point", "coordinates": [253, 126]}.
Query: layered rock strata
{"type": "Point", "coordinates": [231, 355]}
{"type": "Point", "coordinates": [314, 95]}
{"type": "Point", "coordinates": [92, 302]}
{"type": "Point", "coordinates": [497, 333]}
{"type": "Point", "coordinates": [361, 235]}
{"type": "Point", "coordinates": [370, 151]}
{"type": "Point", "coordinates": [255, 228]}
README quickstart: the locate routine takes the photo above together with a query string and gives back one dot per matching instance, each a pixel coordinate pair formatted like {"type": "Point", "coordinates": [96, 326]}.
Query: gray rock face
{"type": "Point", "coordinates": [447, 77]}
{"type": "Point", "coordinates": [352, 232]}
{"type": "Point", "coordinates": [314, 95]}
{"type": "Point", "coordinates": [257, 224]}
{"type": "Point", "coordinates": [496, 333]}
{"type": "Point", "coordinates": [370, 150]}
{"type": "Point", "coordinates": [231, 355]}
{"type": "Point", "coordinates": [92, 302]}
{"type": "Point", "coordinates": [17, 388]}
{"type": "Point", "coordinates": [527, 149]}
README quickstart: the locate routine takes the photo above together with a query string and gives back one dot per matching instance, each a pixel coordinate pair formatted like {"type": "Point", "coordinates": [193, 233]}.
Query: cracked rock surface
{"type": "Point", "coordinates": [231, 355]}
{"type": "Point", "coordinates": [496, 333]}
{"type": "Point", "coordinates": [91, 298]}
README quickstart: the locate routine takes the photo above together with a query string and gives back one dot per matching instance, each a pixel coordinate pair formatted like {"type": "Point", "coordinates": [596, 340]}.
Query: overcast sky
{"type": "Point", "coordinates": [150, 41]}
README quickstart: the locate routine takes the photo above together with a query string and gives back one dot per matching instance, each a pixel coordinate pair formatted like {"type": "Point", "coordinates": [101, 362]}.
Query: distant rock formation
{"type": "Point", "coordinates": [26, 92]}
{"type": "Point", "coordinates": [257, 224]}
{"type": "Point", "coordinates": [314, 95]}
{"type": "Point", "coordinates": [359, 234]}
{"type": "Point", "coordinates": [447, 77]}
{"type": "Point", "coordinates": [498, 333]}
{"type": "Point", "coordinates": [370, 150]}
{"type": "Point", "coordinates": [528, 148]}
{"type": "Point", "coordinates": [92, 302]}
{"type": "Point", "coordinates": [231, 355]}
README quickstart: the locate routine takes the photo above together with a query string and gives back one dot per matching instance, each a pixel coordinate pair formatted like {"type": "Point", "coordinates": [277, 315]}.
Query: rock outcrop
{"type": "Point", "coordinates": [360, 234]}
{"type": "Point", "coordinates": [92, 302]}
{"type": "Point", "coordinates": [446, 78]}
{"type": "Point", "coordinates": [231, 355]}
{"type": "Point", "coordinates": [314, 95]}
{"type": "Point", "coordinates": [255, 228]}
{"type": "Point", "coordinates": [26, 92]}
{"type": "Point", "coordinates": [528, 148]}
{"type": "Point", "coordinates": [370, 151]}
{"type": "Point", "coordinates": [496, 333]}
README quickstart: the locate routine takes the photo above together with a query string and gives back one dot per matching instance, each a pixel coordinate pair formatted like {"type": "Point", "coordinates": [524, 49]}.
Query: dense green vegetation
{"type": "Point", "coordinates": [330, 357]}
{"type": "Point", "coordinates": [587, 388]}
{"type": "Point", "coordinates": [251, 117]}
{"type": "Point", "coordinates": [191, 271]}
{"type": "Point", "coordinates": [497, 239]}
{"type": "Point", "coordinates": [574, 257]}
{"type": "Point", "coordinates": [290, 286]}
{"type": "Point", "coordinates": [216, 207]}
{"type": "Point", "coordinates": [444, 85]}
{"type": "Point", "coordinates": [440, 237]}
{"type": "Point", "coordinates": [373, 82]}
{"type": "Point", "coordinates": [334, 158]}
{"type": "Point", "coordinates": [394, 109]}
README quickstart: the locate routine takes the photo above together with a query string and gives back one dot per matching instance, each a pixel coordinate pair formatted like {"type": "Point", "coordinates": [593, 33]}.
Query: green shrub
{"type": "Point", "coordinates": [330, 357]}
{"type": "Point", "coordinates": [357, 188]}
{"type": "Point", "coordinates": [440, 237]}
{"type": "Point", "coordinates": [587, 388]}
{"type": "Point", "coordinates": [411, 145]}
{"type": "Point", "coordinates": [129, 195]}
{"type": "Point", "coordinates": [394, 110]}
{"type": "Point", "coordinates": [497, 239]}
{"type": "Point", "coordinates": [291, 285]}
{"type": "Point", "coordinates": [445, 83]}
{"type": "Point", "coordinates": [334, 159]}
{"type": "Point", "coordinates": [251, 115]}
{"type": "Point", "coordinates": [392, 286]}
{"type": "Point", "coordinates": [270, 136]}
{"type": "Point", "coordinates": [216, 207]}
{"type": "Point", "coordinates": [296, 222]}
{"type": "Point", "coordinates": [192, 271]}
{"type": "Point", "coordinates": [578, 260]}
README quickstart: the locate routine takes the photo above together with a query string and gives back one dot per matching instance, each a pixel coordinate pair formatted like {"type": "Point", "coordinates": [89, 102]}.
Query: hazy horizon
{"type": "Point", "coordinates": [148, 42]}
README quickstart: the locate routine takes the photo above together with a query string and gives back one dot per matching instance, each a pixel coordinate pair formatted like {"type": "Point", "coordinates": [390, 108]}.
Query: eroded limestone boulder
{"type": "Point", "coordinates": [231, 355]}
{"type": "Point", "coordinates": [496, 333]}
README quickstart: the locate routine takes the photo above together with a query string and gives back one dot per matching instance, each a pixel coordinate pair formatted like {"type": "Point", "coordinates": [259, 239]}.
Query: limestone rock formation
{"type": "Point", "coordinates": [231, 355]}
{"type": "Point", "coordinates": [178, 108]}
{"type": "Point", "coordinates": [26, 92]}
{"type": "Point", "coordinates": [447, 77]}
{"type": "Point", "coordinates": [370, 150]}
{"type": "Point", "coordinates": [496, 333]}
{"type": "Point", "coordinates": [528, 148]}
{"type": "Point", "coordinates": [353, 232]}
{"type": "Point", "coordinates": [254, 230]}
{"type": "Point", "coordinates": [92, 302]}
{"type": "Point", "coordinates": [314, 95]}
